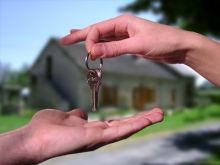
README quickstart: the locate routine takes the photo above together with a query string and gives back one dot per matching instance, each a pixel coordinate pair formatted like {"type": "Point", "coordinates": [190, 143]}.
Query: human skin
{"type": "Point", "coordinates": [53, 133]}
{"type": "Point", "coordinates": [128, 34]}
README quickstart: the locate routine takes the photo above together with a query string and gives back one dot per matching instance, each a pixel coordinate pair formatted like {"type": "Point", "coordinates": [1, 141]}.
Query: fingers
{"type": "Point", "coordinates": [135, 124]}
{"type": "Point", "coordinates": [158, 110]}
{"type": "Point", "coordinates": [112, 29]}
{"type": "Point", "coordinates": [74, 30]}
{"type": "Point", "coordinates": [114, 122]}
{"type": "Point", "coordinates": [91, 34]}
{"type": "Point", "coordinates": [115, 48]}
{"type": "Point", "coordinates": [79, 113]}
{"type": "Point", "coordinates": [75, 36]}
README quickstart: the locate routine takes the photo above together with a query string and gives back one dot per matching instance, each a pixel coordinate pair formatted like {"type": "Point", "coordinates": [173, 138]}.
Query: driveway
{"type": "Point", "coordinates": [189, 146]}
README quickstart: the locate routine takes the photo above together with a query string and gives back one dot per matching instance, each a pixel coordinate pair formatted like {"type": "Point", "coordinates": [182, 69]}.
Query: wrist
{"type": "Point", "coordinates": [193, 46]}
{"type": "Point", "coordinates": [203, 56]}
{"type": "Point", "coordinates": [15, 148]}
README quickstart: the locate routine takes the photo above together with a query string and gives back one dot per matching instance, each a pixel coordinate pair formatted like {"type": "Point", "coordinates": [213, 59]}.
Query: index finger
{"type": "Point", "coordinates": [93, 33]}
{"type": "Point", "coordinates": [98, 30]}
{"type": "Point", "coordinates": [75, 36]}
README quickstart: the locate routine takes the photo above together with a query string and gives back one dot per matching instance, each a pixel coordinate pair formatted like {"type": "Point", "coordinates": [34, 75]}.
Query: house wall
{"type": "Point", "coordinates": [125, 85]}
{"type": "Point", "coordinates": [66, 81]}
{"type": "Point", "coordinates": [166, 87]}
{"type": "Point", "coordinates": [85, 94]}
{"type": "Point", "coordinates": [43, 96]}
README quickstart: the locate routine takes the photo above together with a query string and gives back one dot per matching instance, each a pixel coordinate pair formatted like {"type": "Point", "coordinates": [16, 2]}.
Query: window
{"type": "Point", "coordinates": [49, 67]}
{"type": "Point", "coordinates": [173, 95]}
{"type": "Point", "coordinates": [33, 80]}
{"type": "Point", "coordinates": [109, 96]}
{"type": "Point", "coordinates": [143, 96]}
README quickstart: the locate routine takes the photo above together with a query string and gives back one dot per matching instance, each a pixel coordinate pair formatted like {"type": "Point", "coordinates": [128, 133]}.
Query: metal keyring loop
{"type": "Point", "coordinates": [86, 61]}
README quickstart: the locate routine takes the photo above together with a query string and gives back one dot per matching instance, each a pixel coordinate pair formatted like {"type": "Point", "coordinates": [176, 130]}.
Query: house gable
{"type": "Point", "coordinates": [64, 73]}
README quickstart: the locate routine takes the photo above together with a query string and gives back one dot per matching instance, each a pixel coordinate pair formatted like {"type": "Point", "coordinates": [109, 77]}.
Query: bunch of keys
{"type": "Point", "coordinates": [94, 79]}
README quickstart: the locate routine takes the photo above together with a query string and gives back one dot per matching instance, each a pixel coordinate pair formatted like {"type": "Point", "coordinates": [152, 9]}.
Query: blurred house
{"type": "Point", "coordinates": [11, 101]}
{"type": "Point", "coordinates": [58, 80]}
{"type": "Point", "coordinates": [209, 93]}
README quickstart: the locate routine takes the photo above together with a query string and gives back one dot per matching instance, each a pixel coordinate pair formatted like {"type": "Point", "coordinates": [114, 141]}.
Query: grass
{"type": "Point", "coordinates": [212, 160]}
{"type": "Point", "coordinates": [184, 119]}
{"type": "Point", "coordinates": [8, 123]}
{"type": "Point", "coordinates": [11, 122]}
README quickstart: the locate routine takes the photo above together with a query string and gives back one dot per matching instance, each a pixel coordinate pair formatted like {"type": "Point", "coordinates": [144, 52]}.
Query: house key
{"type": "Point", "coordinates": [94, 79]}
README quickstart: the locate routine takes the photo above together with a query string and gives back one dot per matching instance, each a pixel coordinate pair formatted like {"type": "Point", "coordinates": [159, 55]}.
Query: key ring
{"type": "Point", "coordinates": [86, 61]}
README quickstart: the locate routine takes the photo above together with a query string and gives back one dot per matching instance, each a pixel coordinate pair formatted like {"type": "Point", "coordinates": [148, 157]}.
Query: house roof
{"type": "Point", "coordinates": [126, 64]}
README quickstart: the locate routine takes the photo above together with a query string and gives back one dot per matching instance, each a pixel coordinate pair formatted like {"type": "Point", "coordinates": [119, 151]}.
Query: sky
{"type": "Point", "coordinates": [27, 25]}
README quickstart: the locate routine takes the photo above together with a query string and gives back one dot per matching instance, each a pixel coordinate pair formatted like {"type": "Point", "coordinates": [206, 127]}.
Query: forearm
{"type": "Point", "coordinates": [14, 148]}
{"type": "Point", "coordinates": [204, 57]}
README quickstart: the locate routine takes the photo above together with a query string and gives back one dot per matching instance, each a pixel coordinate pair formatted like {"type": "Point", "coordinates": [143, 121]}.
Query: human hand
{"type": "Point", "coordinates": [128, 34]}
{"type": "Point", "coordinates": [52, 133]}
{"type": "Point", "coordinates": [57, 133]}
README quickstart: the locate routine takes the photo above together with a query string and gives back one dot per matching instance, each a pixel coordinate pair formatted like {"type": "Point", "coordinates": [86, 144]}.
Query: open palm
{"type": "Point", "coordinates": [59, 133]}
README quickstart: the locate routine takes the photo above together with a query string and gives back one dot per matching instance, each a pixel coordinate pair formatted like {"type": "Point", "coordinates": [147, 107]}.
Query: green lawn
{"type": "Point", "coordinates": [8, 123]}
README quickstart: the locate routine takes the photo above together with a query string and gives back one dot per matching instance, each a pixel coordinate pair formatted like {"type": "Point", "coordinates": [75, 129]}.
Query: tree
{"type": "Point", "coordinates": [201, 16]}
{"type": "Point", "coordinates": [20, 77]}
{"type": "Point", "coordinates": [12, 77]}
{"type": "Point", "coordinates": [5, 71]}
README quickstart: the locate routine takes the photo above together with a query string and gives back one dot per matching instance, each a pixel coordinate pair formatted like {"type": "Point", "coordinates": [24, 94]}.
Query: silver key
{"type": "Point", "coordinates": [94, 79]}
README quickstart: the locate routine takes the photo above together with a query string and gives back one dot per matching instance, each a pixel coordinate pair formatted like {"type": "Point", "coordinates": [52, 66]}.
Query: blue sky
{"type": "Point", "coordinates": [26, 25]}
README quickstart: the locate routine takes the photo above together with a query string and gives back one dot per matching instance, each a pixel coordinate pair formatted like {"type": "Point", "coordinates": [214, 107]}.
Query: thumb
{"type": "Point", "coordinates": [114, 48]}
{"type": "Point", "coordinates": [78, 112]}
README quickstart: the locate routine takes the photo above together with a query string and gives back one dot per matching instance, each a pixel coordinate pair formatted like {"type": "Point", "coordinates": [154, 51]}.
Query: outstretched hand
{"type": "Point", "coordinates": [53, 133]}
{"type": "Point", "coordinates": [128, 34]}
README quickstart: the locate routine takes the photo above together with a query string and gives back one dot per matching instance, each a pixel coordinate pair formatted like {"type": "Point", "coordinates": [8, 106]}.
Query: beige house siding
{"type": "Point", "coordinates": [64, 73]}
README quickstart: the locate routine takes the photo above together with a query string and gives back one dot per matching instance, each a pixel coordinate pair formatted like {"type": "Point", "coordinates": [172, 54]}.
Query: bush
{"type": "Point", "coordinates": [30, 112]}
{"type": "Point", "coordinates": [213, 110]}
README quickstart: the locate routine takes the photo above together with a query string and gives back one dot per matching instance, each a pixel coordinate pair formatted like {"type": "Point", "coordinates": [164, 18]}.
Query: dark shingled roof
{"type": "Point", "coordinates": [126, 64]}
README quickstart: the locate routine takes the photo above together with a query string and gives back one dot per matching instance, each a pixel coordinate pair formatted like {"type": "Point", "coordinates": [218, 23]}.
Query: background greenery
{"type": "Point", "coordinates": [196, 15]}
{"type": "Point", "coordinates": [172, 121]}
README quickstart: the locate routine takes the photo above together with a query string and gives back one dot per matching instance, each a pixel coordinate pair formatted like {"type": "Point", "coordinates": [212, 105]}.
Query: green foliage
{"type": "Point", "coordinates": [12, 77]}
{"type": "Point", "coordinates": [19, 78]}
{"type": "Point", "coordinates": [199, 113]}
{"type": "Point", "coordinates": [212, 95]}
{"type": "Point", "coordinates": [213, 160]}
{"type": "Point", "coordinates": [196, 15]}
{"type": "Point", "coordinates": [184, 118]}
{"type": "Point", "coordinates": [30, 112]}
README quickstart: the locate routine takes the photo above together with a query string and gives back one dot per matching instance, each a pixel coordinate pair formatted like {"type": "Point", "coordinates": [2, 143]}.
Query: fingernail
{"type": "Point", "coordinates": [92, 57]}
{"type": "Point", "coordinates": [154, 117]}
{"type": "Point", "coordinates": [98, 50]}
